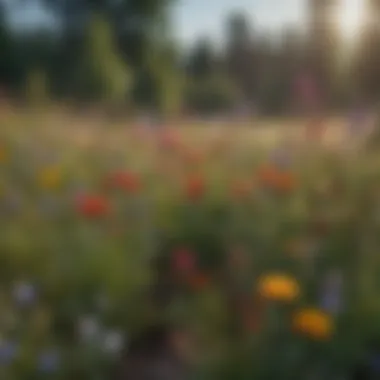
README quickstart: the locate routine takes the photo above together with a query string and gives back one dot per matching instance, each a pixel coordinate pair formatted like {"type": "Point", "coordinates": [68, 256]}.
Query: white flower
{"type": "Point", "coordinates": [88, 328]}
{"type": "Point", "coordinates": [113, 342]}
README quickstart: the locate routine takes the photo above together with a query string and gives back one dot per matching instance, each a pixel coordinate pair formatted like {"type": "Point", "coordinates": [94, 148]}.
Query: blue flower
{"type": "Point", "coordinates": [331, 303]}
{"type": "Point", "coordinates": [49, 361]}
{"type": "Point", "coordinates": [8, 352]}
{"type": "Point", "coordinates": [375, 364]}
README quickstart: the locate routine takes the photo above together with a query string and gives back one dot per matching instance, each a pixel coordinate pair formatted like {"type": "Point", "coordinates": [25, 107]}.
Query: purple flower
{"type": "Point", "coordinates": [282, 157]}
{"type": "Point", "coordinates": [332, 293]}
{"type": "Point", "coordinates": [8, 352]}
{"type": "Point", "coordinates": [48, 361]}
{"type": "Point", "coordinates": [357, 120]}
{"type": "Point", "coordinates": [331, 303]}
{"type": "Point", "coordinates": [24, 294]}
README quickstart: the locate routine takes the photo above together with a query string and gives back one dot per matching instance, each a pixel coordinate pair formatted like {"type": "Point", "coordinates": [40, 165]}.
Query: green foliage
{"type": "Point", "coordinates": [167, 81]}
{"type": "Point", "coordinates": [105, 75]}
{"type": "Point", "coordinates": [215, 94]}
{"type": "Point", "coordinates": [82, 265]}
{"type": "Point", "coordinates": [37, 88]}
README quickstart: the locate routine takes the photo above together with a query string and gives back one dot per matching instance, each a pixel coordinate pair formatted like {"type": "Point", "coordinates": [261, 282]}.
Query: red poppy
{"type": "Point", "coordinates": [126, 181]}
{"type": "Point", "coordinates": [282, 181]}
{"type": "Point", "coordinates": [93, 206]}
{"type": "Point", "coordinates": [195, 188]}
{"type": "Point", "coordinates": [183, 261]}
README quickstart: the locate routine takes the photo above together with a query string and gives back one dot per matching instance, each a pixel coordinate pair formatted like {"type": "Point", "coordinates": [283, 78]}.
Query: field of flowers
{"type": "Point", "coordinates": [272, 256]}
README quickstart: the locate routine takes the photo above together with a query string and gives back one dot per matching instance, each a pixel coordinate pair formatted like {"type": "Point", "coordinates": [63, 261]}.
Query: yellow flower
{"type": "Point", "coordinates": [50, 178]}
{"type": "Point", "coordinates": [313, 323]}
{"type": "Point", "coordinates": [278, 287]}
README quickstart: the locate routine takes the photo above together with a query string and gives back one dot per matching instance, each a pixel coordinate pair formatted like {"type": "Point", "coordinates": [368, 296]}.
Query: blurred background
{"type": "Point", "coordinates": [188, 57]}
{"type": "Point", "coordinates": [206, 167]}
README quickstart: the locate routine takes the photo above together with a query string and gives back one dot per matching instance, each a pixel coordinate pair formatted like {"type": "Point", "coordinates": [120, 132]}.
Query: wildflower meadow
{"type": "Point", "coordinates": [268, 252]}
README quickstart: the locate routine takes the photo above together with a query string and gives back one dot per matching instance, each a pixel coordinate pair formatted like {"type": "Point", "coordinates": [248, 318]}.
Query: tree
{"type": "Point", "coordinates": [209, 89]}
{"type": "Point", "coordinates": [136, 26]}
{"type": "Point", "coordinates": [202, 60]}
{"type": "Point", "coordinates": [322, 45]}
{"type": "Point", "coordinates": [168, 81]}
{"type": "Point", "coordinates": [240, 56]}
{"type": "Point", "coordinates": [9, 67]}
{"type": "Point", "coordinates": [366, 65]}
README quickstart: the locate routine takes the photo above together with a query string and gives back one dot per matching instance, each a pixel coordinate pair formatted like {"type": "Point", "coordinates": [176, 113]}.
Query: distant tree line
{"type": "Point", "coordinates": [123, 54]}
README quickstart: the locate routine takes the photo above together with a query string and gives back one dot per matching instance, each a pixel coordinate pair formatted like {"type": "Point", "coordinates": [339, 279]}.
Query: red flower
{"type": "Point", "coordinates": [93, 206]}
{"type": "Point", "coordinates": [272, 177]}
{"type": "Point", "coordinates": [127, 181]}
{"type": "Point", "coordinates": [195, 188]}
{"type": "Point", "coordinates": [183, 261]}
{"type": "Point", "coordinates": [199, 281]}
{"type": "Point", "coordinates": [170, 140]}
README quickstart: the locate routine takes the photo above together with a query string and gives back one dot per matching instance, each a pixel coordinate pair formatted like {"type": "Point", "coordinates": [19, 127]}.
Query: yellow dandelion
{"type": "Point", "coordinates": [313, 323]}
{"type": "Point", "coordinates": [50, 178]}
{"type": "Point", "coordinates": [278, 287]}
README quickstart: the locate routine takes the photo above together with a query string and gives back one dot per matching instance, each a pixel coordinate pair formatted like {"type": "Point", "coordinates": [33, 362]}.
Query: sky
{"type": "Point", "coordinates": [195, 18]}
{"type": "Point", "coordinates": [192, 19]}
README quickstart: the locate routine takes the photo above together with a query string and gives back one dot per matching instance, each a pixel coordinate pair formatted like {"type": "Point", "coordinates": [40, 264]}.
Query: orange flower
{"type": "Point", "coordinates": [313, 323]}
{"type": "Point", "coordinates": [127, 181]}
{"type": "Point", "coordinates": [278, 287]}
{"type": "Point", "coordinates": [93, 206]}
{"type": "Point", "coordinates": [285, 182]}
{"type": "Point", "coordinates": [268, 175]}
{"type": "Point", "coordinates": [195, 188]}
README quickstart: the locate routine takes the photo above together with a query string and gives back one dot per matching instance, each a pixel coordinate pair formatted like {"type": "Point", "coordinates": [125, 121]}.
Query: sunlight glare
{"type": "Point", "coordinates": [350, 17]}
